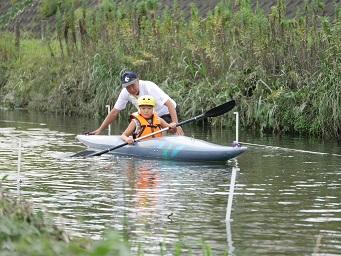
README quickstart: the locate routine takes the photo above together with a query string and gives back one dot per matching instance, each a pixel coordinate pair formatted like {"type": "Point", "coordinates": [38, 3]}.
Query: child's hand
{"type": "Point", "coordinates": [130, 140]}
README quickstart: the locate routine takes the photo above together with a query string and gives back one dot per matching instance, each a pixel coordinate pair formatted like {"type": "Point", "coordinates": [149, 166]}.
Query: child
{"type": "Point", "coordinates": [145, 121]}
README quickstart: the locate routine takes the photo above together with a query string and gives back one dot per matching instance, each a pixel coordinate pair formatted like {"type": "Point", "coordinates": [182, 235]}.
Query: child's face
{"type": "Point", "coordinates": [146, 111]}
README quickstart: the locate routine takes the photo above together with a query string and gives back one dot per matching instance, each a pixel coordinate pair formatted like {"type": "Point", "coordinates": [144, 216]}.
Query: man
{"type": "Point", "coordinates": [133, 87]}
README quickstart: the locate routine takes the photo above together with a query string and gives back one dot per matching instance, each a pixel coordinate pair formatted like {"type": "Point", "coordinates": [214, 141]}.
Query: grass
{"type": "Point", "coordinates": [279, 69]}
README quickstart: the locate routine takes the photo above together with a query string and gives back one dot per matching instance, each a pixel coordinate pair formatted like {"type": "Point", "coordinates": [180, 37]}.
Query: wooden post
{"type": "Point", "coordinates": [230, 199]}
{"type": "Point", "coordinates": [19, 169]}
{"type": "Point", "coordinates": [42, 30]}
{"type": "Point", "coordinates": [109, 127]}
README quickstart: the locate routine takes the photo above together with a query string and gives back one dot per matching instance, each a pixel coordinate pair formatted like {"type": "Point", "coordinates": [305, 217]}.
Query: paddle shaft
{"type": "Point", "coordinates": [217, 111]}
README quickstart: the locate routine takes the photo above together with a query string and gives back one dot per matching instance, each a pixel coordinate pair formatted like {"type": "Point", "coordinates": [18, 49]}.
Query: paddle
{"type": "Point", "coordinates": [216, 111]}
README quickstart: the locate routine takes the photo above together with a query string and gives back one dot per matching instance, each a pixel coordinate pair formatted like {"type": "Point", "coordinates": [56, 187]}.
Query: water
{"type": "Point", "coordinates": [286, 202]}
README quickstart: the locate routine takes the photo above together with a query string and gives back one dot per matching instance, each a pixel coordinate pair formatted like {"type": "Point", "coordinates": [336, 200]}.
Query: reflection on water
{"type": "Point", "coordinates": [285, 202]}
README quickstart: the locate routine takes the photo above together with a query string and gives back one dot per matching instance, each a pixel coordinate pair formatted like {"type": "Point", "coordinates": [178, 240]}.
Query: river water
{"type": "Point", "coordinates": [287, 195]}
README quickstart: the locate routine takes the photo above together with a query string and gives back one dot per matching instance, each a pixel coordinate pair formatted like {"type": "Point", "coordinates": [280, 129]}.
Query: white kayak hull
{"type": "Point", "coordinates": [176, 148]}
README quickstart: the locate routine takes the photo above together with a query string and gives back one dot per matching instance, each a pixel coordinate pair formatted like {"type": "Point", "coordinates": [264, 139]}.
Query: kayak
{"type": "Point", "coordinates": [176, 148]}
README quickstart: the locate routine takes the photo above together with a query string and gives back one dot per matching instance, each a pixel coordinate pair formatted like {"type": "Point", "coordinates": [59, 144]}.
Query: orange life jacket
{"type": "Point", "coordinates": [147, 127]}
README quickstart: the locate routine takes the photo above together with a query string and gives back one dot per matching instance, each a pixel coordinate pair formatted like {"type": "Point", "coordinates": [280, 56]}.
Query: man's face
{"type": "Point", "coordinates": [133, 89]}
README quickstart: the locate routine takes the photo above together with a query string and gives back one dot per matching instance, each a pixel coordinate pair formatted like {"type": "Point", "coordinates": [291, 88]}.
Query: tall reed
{"type": "Point", "coordinates": [284, 72]}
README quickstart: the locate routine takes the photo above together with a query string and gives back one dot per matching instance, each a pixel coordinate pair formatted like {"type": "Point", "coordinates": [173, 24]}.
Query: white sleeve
{"type": "Point", "coordinates": [160, 96]}
{"type": "Point", "coordinates": [122, 100]}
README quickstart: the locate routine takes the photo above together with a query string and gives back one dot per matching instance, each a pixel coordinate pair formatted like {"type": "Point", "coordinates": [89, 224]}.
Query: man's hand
{"type": "Point", "coordinates": [175, 130]}
{"type": "Point", "coordinates": [179, 131]}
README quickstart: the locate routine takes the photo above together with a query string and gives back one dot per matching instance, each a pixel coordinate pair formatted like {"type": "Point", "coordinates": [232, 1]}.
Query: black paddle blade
{"type": "Point", "coordinates": [221, 109]}
{"type": "Point", "coordinates": [84, 153]}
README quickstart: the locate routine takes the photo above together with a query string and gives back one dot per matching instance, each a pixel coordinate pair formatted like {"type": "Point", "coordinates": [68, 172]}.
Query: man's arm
{"type": "Point", "coordinates": [108, 120]}
{"type": "Point", "coordinates": [172, 111]}
{"type": "Point", "coordinates": [174, 116]}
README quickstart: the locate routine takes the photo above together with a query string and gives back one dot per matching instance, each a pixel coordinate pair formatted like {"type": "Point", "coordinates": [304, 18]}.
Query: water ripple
{"type": "Point", "coordinates": [284, 203]}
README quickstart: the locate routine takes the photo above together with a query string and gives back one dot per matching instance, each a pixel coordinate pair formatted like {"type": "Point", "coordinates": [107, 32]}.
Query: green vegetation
{"type": "Point", "coordinates": [16, 7]}
{"type": "Point", "coordinates": [23, 232]}
{"type": "Point", "coordinates": [285, 73]}
{"type": "Point", "coordinates": [29, 233]}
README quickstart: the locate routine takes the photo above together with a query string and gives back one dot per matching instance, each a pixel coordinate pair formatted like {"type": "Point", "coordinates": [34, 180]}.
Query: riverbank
{"type": "Point", "coordinates": [279, 69]}
{"type": "Point", "coordinates": [25, 232]}
{"type": "Point", "coordinates": [32, 233]}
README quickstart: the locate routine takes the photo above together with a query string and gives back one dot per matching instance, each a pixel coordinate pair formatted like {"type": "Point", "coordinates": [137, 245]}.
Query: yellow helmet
{"type": "Point", "coordinates": [146, 100]}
